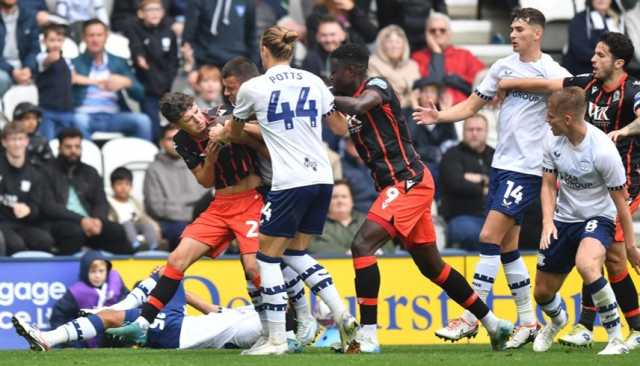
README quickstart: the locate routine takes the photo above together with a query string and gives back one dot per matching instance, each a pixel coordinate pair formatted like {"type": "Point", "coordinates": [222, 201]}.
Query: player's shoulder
{"type": "Point", "coordinates": [600, 141]}
{"type": "Point", "coordinates": [254, 85]}
{"type": "Point", "coordinates": [552, 141]}
{"type": "Point", "coordinates": [377, 82]}
{"type": "Point", "coordinates": [633, 86]}
{"type": "Point", "coordinates": [182, 138]}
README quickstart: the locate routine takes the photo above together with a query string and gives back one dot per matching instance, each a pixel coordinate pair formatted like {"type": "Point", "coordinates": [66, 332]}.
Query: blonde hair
{"type": "Point", "coordinates": [280, 41]}
{"type": "Point", "coordinates": [206, 72]}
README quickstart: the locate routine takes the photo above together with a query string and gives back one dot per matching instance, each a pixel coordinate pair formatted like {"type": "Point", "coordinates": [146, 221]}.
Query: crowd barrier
{"type": "Point", "coordinates": [410, 307]}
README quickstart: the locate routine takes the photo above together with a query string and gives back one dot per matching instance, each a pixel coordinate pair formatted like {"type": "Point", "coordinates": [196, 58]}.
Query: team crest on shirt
{"type": "Point", "coordinates": [616, 96]}
{"type": "Point", "coordinates": [584, 165]}
{"type": "Point", "coordinates": [594, 89]}
{"type": "Point", "coordinates": [378, 82]}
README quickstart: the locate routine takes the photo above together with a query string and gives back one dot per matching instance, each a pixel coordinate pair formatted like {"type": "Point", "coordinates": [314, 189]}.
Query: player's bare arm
{"type": "Point", "coordinates": [358, 105]}
{"type": "Point", "coordinates": [199, 304]}
{"type": "Point", "coordinates": [632, 129]}
{"type": "Point", "coordinates": [633, 253]}
{"type": "Point", "coordinates": [237, 126]}
{"type": "Point", "coordinates": [463, 110]}
{"type": "Point", "coordinates": [337, 123]}
{"type": "Point", "coordinates": [548, 200]}
{"type": "Point", "coordinates": [204, 172]}
{"type": "Point", "coordinates": [531, 85]}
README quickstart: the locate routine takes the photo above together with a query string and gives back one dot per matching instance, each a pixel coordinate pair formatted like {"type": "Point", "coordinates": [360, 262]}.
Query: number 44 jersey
{"type": "Point", "coordinates": [290, 105]}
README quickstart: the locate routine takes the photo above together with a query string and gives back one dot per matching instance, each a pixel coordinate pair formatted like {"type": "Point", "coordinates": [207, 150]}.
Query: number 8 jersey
{"type": "Point", "coordinates": [290, 105]}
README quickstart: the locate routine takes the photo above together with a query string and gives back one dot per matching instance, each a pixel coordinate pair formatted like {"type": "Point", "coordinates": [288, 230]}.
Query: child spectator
{"type": "Point", "coordinates": [54, 83]}
{"type": "Point", "coordinates": [98, 286]}
{"type": "Point", "coordinates": [209, 87]}
{"type": "Point", "coordinates": [128, 212]}
{"type": "Point", "coordinates": [27, 116]}
{"type": "Point", "coordinates": [154, 51]}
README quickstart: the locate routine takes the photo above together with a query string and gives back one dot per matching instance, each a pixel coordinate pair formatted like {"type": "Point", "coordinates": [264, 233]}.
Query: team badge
{"type": "Point", "coordinates": [378, 82]}
{"type": "Point", "coordinates": [616, 96]}
{"type": "Point", "coordinates": [594, 89]}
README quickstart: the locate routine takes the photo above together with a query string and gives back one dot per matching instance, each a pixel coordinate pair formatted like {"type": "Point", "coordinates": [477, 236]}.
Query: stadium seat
{"type": "Point", "coordinates": [18, 94]}
{"type": "Point", "coordinates": [117, 44]}
{"type": "Point", "coordinates": [32, 254]}
{"type": "Point", "coordinates": [91, 154]}
{"type": "Point", "coordinates": [558, 10]}
{"type": "Point", "coordinates": [462, 9]}
{"type": "Point", "coordinates": [132, 153]}
{"type": "Point", "coordinates": [470, 31]}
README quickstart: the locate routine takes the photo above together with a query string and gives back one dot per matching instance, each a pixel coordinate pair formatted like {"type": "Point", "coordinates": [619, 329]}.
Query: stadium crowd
{"type": "Point", "coordinates": [96, 71]}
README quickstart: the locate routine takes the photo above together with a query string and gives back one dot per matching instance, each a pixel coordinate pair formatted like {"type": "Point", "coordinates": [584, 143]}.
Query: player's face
{"type": "Point", "coordinates": [341, 200]}
{"type": "Point", "coordinates": [556, 120]}
{"type": "Point", "coordinates": [342, 79]}
{"type": "Point", "coordinates": [523, 35]}
{"type": "Point", "coordinates": [53, 41]}
{"type": "Point", "coordinates": [71, 149]}
{"type": "Point", "coordinates": [95, 37]}
{"type": "Point", "coordinates": [231, 87]}
{"type": "Point", "coordinates": [194, 121]}
{"type": "Point", "coordinates": [98, 273]}
{"type": "Point", "coordinates": [602, 62]}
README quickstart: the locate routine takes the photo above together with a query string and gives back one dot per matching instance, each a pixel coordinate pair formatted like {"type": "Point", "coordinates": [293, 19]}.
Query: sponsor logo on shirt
{"type": "Point", "coordinates": [598, 113]}
{"type": "Point", "coordinates": [573, 182]}
{"type": "Point", "coordinates": [524, 95]}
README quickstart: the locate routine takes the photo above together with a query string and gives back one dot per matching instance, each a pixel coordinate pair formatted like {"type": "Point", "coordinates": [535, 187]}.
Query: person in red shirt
{"type": "Point", "coordinates": [456, 66]}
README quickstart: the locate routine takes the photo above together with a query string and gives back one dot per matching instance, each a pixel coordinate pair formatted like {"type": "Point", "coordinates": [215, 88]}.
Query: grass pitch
{"type": "Point", "coordinates": [441, 355]}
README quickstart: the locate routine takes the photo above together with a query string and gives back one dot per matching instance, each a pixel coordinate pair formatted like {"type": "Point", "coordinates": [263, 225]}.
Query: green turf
{"type": "Point", "coordinates": [458, 355]}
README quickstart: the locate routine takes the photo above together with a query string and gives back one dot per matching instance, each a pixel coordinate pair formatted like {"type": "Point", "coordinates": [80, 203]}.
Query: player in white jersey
{"type": "Point", "coordinates": [516, 175]}
{"type": "Point", "coordinates": [290, 106]}
{"type": "Point", "coordinates": [578, 226]}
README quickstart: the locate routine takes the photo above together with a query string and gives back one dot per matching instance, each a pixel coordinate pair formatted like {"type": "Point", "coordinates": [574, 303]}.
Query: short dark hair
{"type": "Point", "coordinates": [530, 16]}
{"type": "Point", "coordinates": [121, 173]}
{"type": "Point", "coordinates": [12, 128]}
{"type": "Point", "coordinates": [328, 18]}
{"type": "Point", "coordinates": [352, 54]}
{"type": "Point", "coordinates": [93, 21]}
{"type": "Point", "coordinates": [54, 28]}
{"type": "Point", "coordinates": [619, 45]}
{"type": "Point", "coordinates": [241, 68]}
{"type": "Point", "coordinates": [173, 105]}
{"type": "Point", "coordinates": [344, 182]}
{"type": "Point", "coordinates": [167, 128]}
{"type": "Point", "coordinates": [69, 133]}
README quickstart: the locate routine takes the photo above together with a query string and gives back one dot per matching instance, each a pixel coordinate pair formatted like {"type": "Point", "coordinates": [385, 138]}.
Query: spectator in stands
{"type": "Point", "coordinates": [154, 51]}
{"type": "Point", "coordinates": [19, 44]}
{"type": "Point", "coordinates": [329, 37]}
{"type": "Point", "coordinates": [356, 172]}
{"type": "Point", "coordinates": [342, 223]}
{"type": "Point", "coordinates": [170, 190]}
{"type": "Point", "coordinates": [452, 66]}
{"type": "Point", "coordinates": [410, 16]}
{"type": "Point", "coordinates": [39, 7]}
{"type": "Point", "coordinates": [354, 20]}
{"type": "Point", "coordinates": [128, 212]}
{"type": "Point", "coordinates": [209, 87]}
{"type": "Point", "coordinates": [216, 31]}
{"type": "Point", "coordinates": [99, 285]}
{"type": "Point", "coordinates": [77, 204]}
{"type": "Point", "coordinates": [27, 116]}
{"type": "Point", "coordinates": [76, 12]}
{"type": "Point", "coordinates": [22, 194]}
{"type": "Point", "coordinates": [632, 28]}
{"type": "Point", "coordinates": [54, 82]}
{"type": "Point", "coordinates": [99, 98]}
{"type": "Point", "coordinates": [586, 27]}
{"type": "Point", "coordinates": [432, 141]}
{"type": "Point", "coordinates": [125, 13]}
{"type": "Point", "coordinates": [464, 181]}
{"type": "Point", "coordinates": [391, 61]}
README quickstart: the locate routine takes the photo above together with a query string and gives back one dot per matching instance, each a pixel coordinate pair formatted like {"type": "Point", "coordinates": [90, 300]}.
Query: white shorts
{"type": "Point", "coordinates": [240, 327]}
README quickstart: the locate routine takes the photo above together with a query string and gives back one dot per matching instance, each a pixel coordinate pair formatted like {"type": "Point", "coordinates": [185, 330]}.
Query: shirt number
{"type": "Point", "coordinates": [591, 226]}
{"type": "Point", "coordinates": [513, 192]}
{"type": "Point", "coordinates": [253, 228]}
{"type": "Point", "coordinates": [286, 114]}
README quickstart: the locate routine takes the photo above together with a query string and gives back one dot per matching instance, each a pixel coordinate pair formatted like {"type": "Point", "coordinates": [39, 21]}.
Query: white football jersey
{"type": "Point", "coordinates": [587, 172]}
{"type": "Point", "coordinates": [240, 327]}
{"type": "Point", "coordinates": [289, 105]}
{"type": "Point", "coordinates": [521, 123]}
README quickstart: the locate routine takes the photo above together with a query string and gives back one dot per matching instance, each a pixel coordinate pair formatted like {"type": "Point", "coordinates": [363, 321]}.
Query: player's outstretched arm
{"type": "Point", "coordinates": [632, 129]}
{"type": "Point", "coordinates": [531, 85]}
{"type": "Point", "coordinates": [633, 253]}
{"type": "Point", "coordinates": [548, 201]}
{"type": "Point", "coordinates": [199, 304]}
{"type": "Point", "coordinates": [463, 110]}
{"type": "Point", "coordinates": [337, 123]}
{"type": "Point", "coordinates": [360, 104]}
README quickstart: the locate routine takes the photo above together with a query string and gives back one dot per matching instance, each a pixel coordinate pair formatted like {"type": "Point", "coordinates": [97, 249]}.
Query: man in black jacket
{"type": "Point", "coordinates": [21, 195]}
{"type": "Point", "coordinates": [464, 183]}
{"type": "Point", "coordinates": [77, 207]}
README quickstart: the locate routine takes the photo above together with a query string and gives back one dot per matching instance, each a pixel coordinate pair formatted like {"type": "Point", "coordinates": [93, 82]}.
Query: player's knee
{"type": "Point", "coordinates": [588, 270]}
{"type": "Point", "coordinates": [177, 261]}
{"type": "Point", "coordinates": [486, 236]}
{"type": "Point", "coordinates": [109, 318]}
{"type": "Point", "coordinates": [542, 293]}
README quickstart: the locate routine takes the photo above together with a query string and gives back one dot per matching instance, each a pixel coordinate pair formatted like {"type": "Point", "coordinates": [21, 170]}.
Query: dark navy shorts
{"type": "Point", "coordinates": [165, 330]}
{"type": "Point", "coordinates": [560, 256]}
{"type": "Point", "coordinates": [511, 193]}
{"type": "Point", "coordinates": [300, 209]}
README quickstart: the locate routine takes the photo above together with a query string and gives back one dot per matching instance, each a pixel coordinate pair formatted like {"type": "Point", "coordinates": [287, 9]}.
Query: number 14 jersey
{"type": "Point", "coordinates": [290, 105]}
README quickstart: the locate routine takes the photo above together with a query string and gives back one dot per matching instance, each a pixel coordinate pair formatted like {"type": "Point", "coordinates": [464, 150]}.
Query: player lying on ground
{"type": "Point", "coordinates": [613, 105]}
{"type": "Point", "coordinates": [578, 220]}
{"type": "Point", "coordinates": [172, 329]}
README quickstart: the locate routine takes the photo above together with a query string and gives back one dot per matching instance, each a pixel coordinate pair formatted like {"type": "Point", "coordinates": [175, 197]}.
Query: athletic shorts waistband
{"type": "Point", "coordinates": [235, 196]}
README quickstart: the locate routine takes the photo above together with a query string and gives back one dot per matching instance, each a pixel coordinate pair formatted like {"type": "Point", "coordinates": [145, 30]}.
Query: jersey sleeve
{"type": "Point", "coordinates": [609, 165]}
{"type": "Point", "coordinates": [190, 157]}
{"type": "Point", "coordinates": [579, 80]}
{"type": "Point", "coordinates": [244, 107]}
{"type": "Point", "coordinates": [548, 165]}
{"type": "Point", "coordinates": [382, 87]}
{"type": "Point", "coordinates": [489, 85]}
{"type": "Point", "coordinates": [636, 101]}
